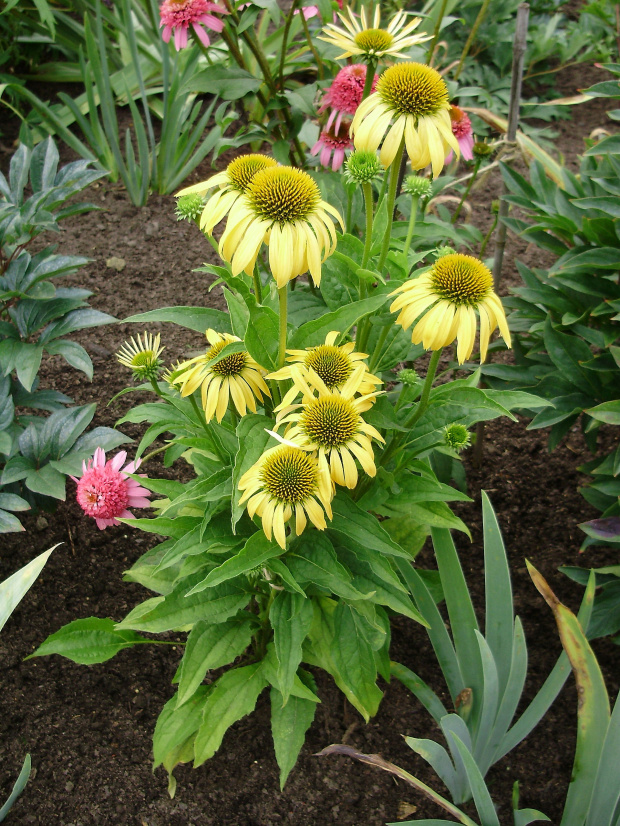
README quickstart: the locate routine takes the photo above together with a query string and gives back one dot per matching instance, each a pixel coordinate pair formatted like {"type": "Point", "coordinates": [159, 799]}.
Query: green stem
{"type": "Point", "coordinates": [150, 455]}
{"type": "Point", "coordinates": [156, 389]}
{"type": "Point", "coordinates": [412, 219]}
{"type": "Point", "coordinates": [391, 196]}
{"type": "Point", "coordinates": [382, 192]}
{"type": "Point", "coordinates": [371, 68]}
{"type": "Point", "coordinates": [347, 220]}
{"type": "Point", "coordinates": [285, 32]}
{"type": "Point", "coordinates": [201, 416]}
{"type": "Point", "coordinates": [315, 54]}
{"type": "Point", "coordinates": [470, 183]}
{"type": "Point", "coordinates": [431, 48]}
{"type": "Point", "coordinates": [421, 406]}
{"type": "Point", "coordinates": [487, 237]}
{"type": "Point", "coordinates": [379, 346]}
{"type": "Point", "coordinates": [258, 290]}
{"type": "Point", "coordinates": [282, 296]}
{"type": "Point", "coordinates": [481, 15]}
{"type": "Point", "coordinates": [368, 205]}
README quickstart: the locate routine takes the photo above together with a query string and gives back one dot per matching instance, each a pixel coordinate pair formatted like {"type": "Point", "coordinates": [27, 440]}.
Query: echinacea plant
{"type": "Point", "coordinates": [313, 482]}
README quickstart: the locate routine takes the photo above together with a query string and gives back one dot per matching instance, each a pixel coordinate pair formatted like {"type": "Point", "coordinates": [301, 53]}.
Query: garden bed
{"type": "Point", "coordinates": [89, 729]}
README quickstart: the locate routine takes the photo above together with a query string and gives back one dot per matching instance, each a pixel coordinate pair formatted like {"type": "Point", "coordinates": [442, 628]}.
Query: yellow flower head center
{"type": "Point", "coordinates": [283, 194]}
{"type": "Point", "coordinates": [373, 41]}
{"type": "Point", "coordinates": [330, 421]}
{"type": "Point", "coordinates": [145, 358]}
{"type": "Point", "coordinates": [242, 170]}
{"type": "Point", "coordinates": [461, 279]}
{"type": "Point", "coordinates": [289, 475]}
{"type": "Point", "coordinates": [230, 365]}
{"type": "Point", "coordinates": [413, 89]}
{"type": "Point", "coordinates": [330, 363]}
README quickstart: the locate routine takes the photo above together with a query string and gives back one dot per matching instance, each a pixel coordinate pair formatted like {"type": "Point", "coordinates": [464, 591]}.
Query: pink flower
{"type": "Point", "coordinates": [462, 131]}
{"type": "Point", "coordinates": [345, 93]}
{"type": "Point", "coordinates": [335, 140]}
{"type": "Point", "coordinates": [178, 16]}
{"type": "Point", "coordinates": [104, 491]}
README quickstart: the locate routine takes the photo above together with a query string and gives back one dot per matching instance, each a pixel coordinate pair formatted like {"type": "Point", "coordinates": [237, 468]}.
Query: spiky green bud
{"type": "Point", "coordinates": [362, 167]}
{"type": "Point", "coordinates": [189, 207]}
{"type": "Point", "coordinates": [457, 437]}
{"type": "Point", "coordinates": [446, 250]}
{"type": "Point", "coordinates": [481, 149]}
{"type": "Point", "coordinates": [408, 376]}
{"type": "Point", "coordinates": [417, 186]}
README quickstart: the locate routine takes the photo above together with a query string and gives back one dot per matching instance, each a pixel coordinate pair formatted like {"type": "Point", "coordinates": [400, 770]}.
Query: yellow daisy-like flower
{"type": "Point", "coordinates": [447, 297]}
{"type": "Point", "coordinates": [370, 41]}
{"type": "Point", "coordinates": [282, 207]}
{"type": "Point", "coordinates": [235, 376]}
{"type": "Point", "coordinates": [142, 357]}
{"type": "Point", "coordinates": [285, 481]}
{"type": "Point", "coordinates": [333, 364]}
{"type": "Point", "coordinates": [233, 182]}
{"type": "Point", "coordinates": [331, 424]}
{"type": "Point", "coordinates": [410, 102]}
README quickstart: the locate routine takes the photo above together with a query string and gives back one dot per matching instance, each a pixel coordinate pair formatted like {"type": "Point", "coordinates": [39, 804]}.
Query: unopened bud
{"type": "Point", "coordinates": [189, 207]}
{"type": "Point", "coordinates": [408, 376]}
{"type": "Point", "coordinates": [417, 186]}
{"type": "Point", "coordinates": [362, 166]}
{"type": "Point", "coordinates": [481, 149]}
{"type": "Point", "coordinates": [457, 437]}
{"type": "Point", "coordinates": [441, 251]}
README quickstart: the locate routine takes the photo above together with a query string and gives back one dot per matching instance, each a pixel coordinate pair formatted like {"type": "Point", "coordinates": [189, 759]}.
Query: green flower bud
{"type": "Point", "coordinates": [189, 207]}
{"type": "Point", "coordinates": [362, 167]}
{"type": "Point", "coordinates": [408, 376]}
{"type": "Point", "coordinates": [417, 186]}
{"type": "Point", "coordinates": [494, 207]}
{"type": "Point", "coordinates": [481, 149]}
{"type": "Point", "coordinates": [457, 437]}
{"type": "Point", "coordinates": [441, 251]}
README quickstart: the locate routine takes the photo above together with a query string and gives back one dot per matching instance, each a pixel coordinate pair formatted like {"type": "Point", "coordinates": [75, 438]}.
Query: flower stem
{"type": "Point", "coordinates": [412, 219]}
{"type": "Point", "coordinates": [487, 237]}
{"type": "Point", "coordinates": [379, 346]}
{"type": "Point", "coordinates": [371, 68]}
{"type": "Point", "coordinates": [285, 33]}
{"type": "Point", "coordinates": [150, 455]}
{"type": "Point", "coordinates": [368, 204]}
{"type": "Point", "coordinates": [481, 15]}
{"type": "Point", "coordinates": [421, 406]}
{"type": "Point", "coordinates": [470, 183]}
{"type": "Point", "coordinates": [315, 54]}
{"type": "Point", "coordinates": [391, 196]}
{"type": "Point", "coordinates": [258, 290]}
{"type": "Point", "coordinates": [282, 296]}
{"type": "Point", "coordinates": [431, 48]}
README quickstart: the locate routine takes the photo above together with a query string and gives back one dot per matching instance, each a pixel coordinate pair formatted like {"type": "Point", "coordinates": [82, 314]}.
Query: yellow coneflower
{"type": "Point", "coordinates": [283, 208]}
{"type": "Point", "coordinates": [142, 357]}
{"type": "Point", "coordinates": [287, 481]}
{"type": "Point", "coordinates": [332, 363]}
{"type": "Point", "coordinates": [447, 297]}
{"type": "Point", "coordinates": [370, 41]}
{"type": "Point", "coordinates": [233, 182]}
{"type": "Point", "coordinates": [413, 98]}
{"type": "Point", "coordinates": [331, 424]}
{"type": "Point", "coordinates": [235, 376]}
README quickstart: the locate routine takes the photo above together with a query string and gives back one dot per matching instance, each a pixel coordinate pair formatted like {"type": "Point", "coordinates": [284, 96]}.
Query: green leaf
{"type": "Point", "coordinates": [355, 661]}
{"type": "Point", "coordinates": [178, 611]}
{"type": "Point", "coordinates": [229, 82]}
{"type": "Point", "coordinates": [313, 332]}
{"type": "Point", "coordinates": [47, 481]}
{"type": "Point", "coordinates": [199, 319]}
{"type": "Point", "coordinates": [13, 589]}
{"type": "Point", "coordinates": [253, 440]}
{"type": "Point", "coordinates": [291, 618]}
{"type": "Point", "coordinates": [88, 641]}
{"type": "Point", "coordinates": [350, 521]}
{"type": "Point", "coordinates": [20, 783]}
{"type": "Point", "coordinates": [209, 647]}
{"type": "Point", "coordinates": [175, 528]}
{"type": "Point", "coordinates": [289, 724]}
{"type": "Point", "coordinates": [176, 725]}
{"type": "Point", "coordinates": [27, 363]}
{"type": "Point", "coordinates": [608, 412]}
{"type": "Point", "coordinates": [567, 352]}
{"type": "Point", "coordinates": [433, 514]}
{"type": "Point", "coordinates": [312, 559]}
{"type": "Point", "coordinates": [232, 697]}
{"type": "Point", "coordinates": [407, 533]}
{"type": "Point", "coordinates": [606, 203]}
{"type": "Point", "coordinates": [256, 551]}
{"type": "Point", "coordinates": [262, 336]}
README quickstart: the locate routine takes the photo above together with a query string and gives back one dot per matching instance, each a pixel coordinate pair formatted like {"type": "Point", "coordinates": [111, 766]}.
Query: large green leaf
{"type": "Point", "coordinates": [351, 521]}
{"type": "Point", "coordinates": [290, 617]}
{"type": "Point", "coordinates": [88, 641]}
{"type": "Point", "coordinates": [253, 440]}
{"type": "Point", "coordinates": [199, 319]}
{"type": "Point", "coordinates": [256, 551]}
{"type": "Point", "coordinates": [355, 661]}
{"type": "Point", "coordinates": [289, 724]}
{"type": "Point", "coordinates": [13, 589]}
{"type": "Point", "coordinates": [312, 559]}
{"type": "Point", "coordinates": [313, 332]}
{"type": "Point", "coordinates": [209, 647]}
{"type": "Point", "coordinates": [232, 697]}
{"type": "Point", "coordinates": [261, 336]}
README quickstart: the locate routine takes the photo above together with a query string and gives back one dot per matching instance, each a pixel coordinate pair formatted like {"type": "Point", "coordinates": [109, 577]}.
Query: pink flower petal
{"type": "Point", "coordinates": [201, 35]}
{"type": "Point", "coordinates": [338, 159]}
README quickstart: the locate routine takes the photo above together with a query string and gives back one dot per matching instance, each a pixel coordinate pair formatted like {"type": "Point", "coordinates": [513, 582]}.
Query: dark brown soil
{"type": "Point", "coordinates": [89, 729]}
